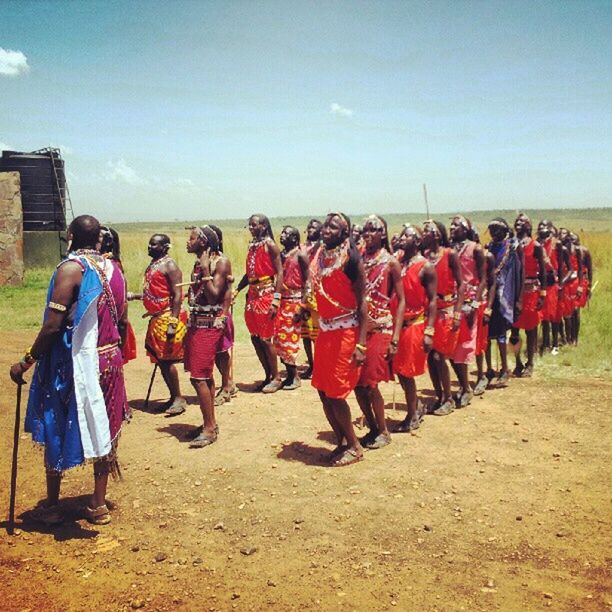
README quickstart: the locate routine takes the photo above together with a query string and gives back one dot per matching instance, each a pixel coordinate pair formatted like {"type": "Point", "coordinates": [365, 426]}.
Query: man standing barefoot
{"type": "Point", "coordinates": [288, 322]}
{"type": "Point", "coordinates": [264, 276]}
{"type": "Point", "coordinates": [338, 281]}
{"type": "Point", "coordinates": [383, 282]}
{"type": "Point", "coordinates": [211, 283]}
{"type": "Point", "coordinates": [162, 297]}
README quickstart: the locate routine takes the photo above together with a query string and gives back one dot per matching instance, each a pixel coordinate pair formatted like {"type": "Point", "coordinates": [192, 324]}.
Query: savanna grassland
{"type": "Point", "coordinates": [21, 307]}
{"type": "Point", "coordinates": [504, 505]}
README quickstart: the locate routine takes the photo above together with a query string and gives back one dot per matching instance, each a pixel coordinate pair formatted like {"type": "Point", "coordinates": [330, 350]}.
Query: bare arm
{"type": "Point", "coordinates": [519, 299]}
{"type": "Point", "coordinates": [564, 258]}
{"type": "Point", "coordinates": [362, 310]}
{"type": "Point", "coordinates": [65, 292]}
{"type": "Point", "coordinates": [216, 286]}
{"type": "Point", "coordinates": [305, 270]}
{"type": "Point", "coordinates": [429, 280]}
{"type": "Point", "coordinates": [538, 252]}
{"type": "Point", "coordinates": [481, 271]}
{"type": "Point", "coordinates": [397, 286]}
{"type": "Point", "coordinates": [277, 263]}
{"type": "Point", "coordinates": [453, 264]}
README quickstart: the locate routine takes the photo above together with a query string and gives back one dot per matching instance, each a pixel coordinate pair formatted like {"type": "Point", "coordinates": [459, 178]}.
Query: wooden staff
{"type": "Point", "coordinates": [11, 520]}
{"type": "Point", "coordinates": [186, 284]}
{"type": "Point", "coordinates": [146, 403]}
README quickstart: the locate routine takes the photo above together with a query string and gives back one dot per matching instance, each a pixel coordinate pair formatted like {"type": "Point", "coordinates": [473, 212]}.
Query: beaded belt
{"type": "Point", "coordinates": [449, 297]}
{"type": "Point", "coordinates": [532, 284]}
{"type": "Point", "coordinates": [203, 321]}
{"type": "Point", "coordinates": [345, 321]}
{"type": "Point", "coordinates": [414, 320]}
{"type": "Point", "coordinates": [105, 348]}
{"type": "Point", "coordinates": [262, 280]}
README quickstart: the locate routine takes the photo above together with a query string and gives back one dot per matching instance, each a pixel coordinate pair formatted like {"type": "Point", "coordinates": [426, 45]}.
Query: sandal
{"type": "Point", "coordinates": [380, 441]}
{"type": "Point", "coordinates": [446, 408]}
{"type": "Point", "coordinates": [223, 397]}
{"type": "Point", "coordinates": [179, 405]}
{"type": "Point", "coordinates": [335, 453]}
{"type": "Point", "coordinates": [99, 515]}
{"type": "Point", "coordinates": [349, 456]}
{"type": "Point", "coordinates": [307, 374]}
{"type": "Point", "coordinates": [196, 431]}
{"type": "Point", "coordinates": [47, 515]}
{"type": "Point", "coordinates": [481, 386]}
{"type": "Point", "coordinates": [296, 384]}
{"type": "Point", "coordinates": [408, 425]}
{"type": "Point", "coordinates": [260, 387]}
{"type": "Point", "coordinates": [272, 387]}
{"type": "Point", "coordinates": [204, 440]}
{"type": "Point", "coordinates": [528, 371]}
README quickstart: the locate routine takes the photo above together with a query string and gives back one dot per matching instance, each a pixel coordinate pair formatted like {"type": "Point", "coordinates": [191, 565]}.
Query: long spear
{"type": "Point", "coordinates": [11, 520]}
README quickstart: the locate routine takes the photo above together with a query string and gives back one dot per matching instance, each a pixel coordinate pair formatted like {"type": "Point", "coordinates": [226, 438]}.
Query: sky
{"type": "Point", "coordinates": [192, 109]}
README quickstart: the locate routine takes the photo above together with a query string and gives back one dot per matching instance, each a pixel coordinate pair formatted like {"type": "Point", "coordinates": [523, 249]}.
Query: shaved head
{"type": "Point", "coordinates": [85, 231]}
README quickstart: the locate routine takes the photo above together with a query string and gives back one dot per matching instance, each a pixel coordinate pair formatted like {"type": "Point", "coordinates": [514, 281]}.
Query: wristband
{"type": "Point", "coordinates": [394, 342]}
{"type": "Point", "coordinates": [457, 316]}
{"type": "Point", "coordinates": [207, 278]}
{"type": "Point", "coordinates": [58, 307]}
{"type": "Point", "coordinates": [173, 320]}
{"type": "Point", "coordinates": [488, 312]}
{"type": "Point", "coordinates": [361, 347]}
{"type": "Point", "coordinates": [429, 331]}
{"type": "Point", "coordinates": [28, 357]}
{"type": "Point", "coordinates": [277, 296]}
{"type": "Point", "coordinates": [542, 292]}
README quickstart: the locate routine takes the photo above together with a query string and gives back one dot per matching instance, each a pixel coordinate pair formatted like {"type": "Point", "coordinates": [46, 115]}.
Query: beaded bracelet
{"type": "Point", "coordinates": [361, 347]}
{"type": "Point", "coordinates": [429, 331]}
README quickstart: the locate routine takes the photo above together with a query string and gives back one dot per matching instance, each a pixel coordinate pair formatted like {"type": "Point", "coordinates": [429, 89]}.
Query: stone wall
{"type": "Point", "coordinates": [11, 230]}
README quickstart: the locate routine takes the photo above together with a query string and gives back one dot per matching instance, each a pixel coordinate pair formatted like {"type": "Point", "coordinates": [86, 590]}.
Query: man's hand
{"type": "Point", "coordinates": [470, 317]}
{"type": "Point", "coordinates": [17, 370]}
{"type": "Point", "coordinates": [392, 350]}
{"type": "Point", "coordinates": [272, 311]}
{"type": "Point", "coordinates": [358, 357]}
{"type": "Point", "coordinates": [427, 343]}
{"type": "Point", "coordinates": [171, 331]}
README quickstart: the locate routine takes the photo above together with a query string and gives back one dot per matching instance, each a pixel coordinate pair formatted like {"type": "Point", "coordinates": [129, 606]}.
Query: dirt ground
{"type": "Point", "coordinates": [503, 505]}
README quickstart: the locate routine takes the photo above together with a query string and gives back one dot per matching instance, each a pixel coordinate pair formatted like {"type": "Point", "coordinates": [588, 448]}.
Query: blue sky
{"type": "Point", "coordinates": [185, 110]}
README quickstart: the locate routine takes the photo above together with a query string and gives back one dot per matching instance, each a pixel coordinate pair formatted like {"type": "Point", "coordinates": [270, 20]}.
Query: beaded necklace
{"type": "Point", "coordinates": [338, 257]}
{"type": "Point", "coordinates": [93, 257]}
{"type": "Point", "coordinates": [254, 244]}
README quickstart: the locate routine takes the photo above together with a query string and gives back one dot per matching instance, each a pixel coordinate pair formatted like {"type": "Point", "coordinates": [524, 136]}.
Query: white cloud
{"type": "Point", "coordinates": [341, 111]}
{"type": "Point", "coordinates": [120, 172]}
{"type": "Point", "coordinates": [13, 63]}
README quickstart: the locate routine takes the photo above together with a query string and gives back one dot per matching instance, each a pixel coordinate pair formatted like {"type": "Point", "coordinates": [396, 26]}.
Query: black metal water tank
{"type": "Point", "coordinates": [43, 188]}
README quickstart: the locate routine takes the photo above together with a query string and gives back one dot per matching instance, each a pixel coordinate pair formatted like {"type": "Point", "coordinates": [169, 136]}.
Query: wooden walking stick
{"type": "Point", "coordinates": [11, 519]}
{"type": "Point", "coordinates": [146, 403]}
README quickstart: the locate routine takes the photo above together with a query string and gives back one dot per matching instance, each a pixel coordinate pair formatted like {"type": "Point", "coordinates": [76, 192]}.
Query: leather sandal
{"type": "Point", "coordinates": [99, 515]}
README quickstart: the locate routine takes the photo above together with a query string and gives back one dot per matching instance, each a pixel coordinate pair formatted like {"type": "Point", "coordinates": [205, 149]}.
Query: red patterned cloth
{"type": "Point", "coordinates": [287, 331]}
{"type": "Point", "coordinates": [410, 359]}
{"type": "Point", "coordinates": [335, 372]}
{"type": "Point", "coordinates": [260, 272]}
{"type": "Point", "coordinates": [156, 298]}
{"type": "Point", "coordinates": [530, 316]}
{"type": "Point", "coordinates": [482, 334]}
{"type": "Point", "coordinates": [465, 351]}
{"type": "Point", "coordinates": [129, 348]}
{"type": "Point", "coordinates": [201, 346]}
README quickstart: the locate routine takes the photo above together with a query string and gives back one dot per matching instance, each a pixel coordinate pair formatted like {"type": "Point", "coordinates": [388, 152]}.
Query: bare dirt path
{"type": "Point", "coordinates": [504, 505]}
